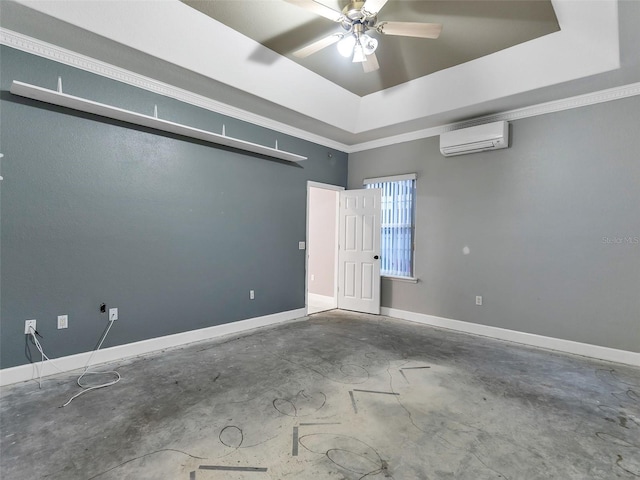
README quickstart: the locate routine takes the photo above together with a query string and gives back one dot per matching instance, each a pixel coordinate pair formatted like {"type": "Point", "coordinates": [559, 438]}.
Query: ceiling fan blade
{"type": "Point", "coordinates": [317, 45]}
{"type": "Point", "coordinates": [410, 29]}
{"type": "Point", "coordinates": [373, 6]}
{"type": "Point", "coordinates": [318, 9]}
{"type": "Point", "coordinates": [371, 65]}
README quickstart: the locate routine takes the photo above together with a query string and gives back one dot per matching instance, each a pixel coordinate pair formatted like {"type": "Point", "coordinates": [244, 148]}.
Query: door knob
{"type": "Point", "coordinates": [376, 257]}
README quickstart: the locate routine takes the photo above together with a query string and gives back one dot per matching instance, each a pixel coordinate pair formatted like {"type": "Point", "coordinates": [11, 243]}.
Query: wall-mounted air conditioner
{"type": "Point", "coordinates": [490, 136]}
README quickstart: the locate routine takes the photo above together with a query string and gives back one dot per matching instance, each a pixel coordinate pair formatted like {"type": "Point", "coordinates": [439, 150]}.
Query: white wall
{"type": "Point", "coordinates": [322, 241]}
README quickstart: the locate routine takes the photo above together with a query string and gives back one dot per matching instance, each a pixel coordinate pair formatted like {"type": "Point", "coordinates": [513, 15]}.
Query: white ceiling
{"type": "Point", "coordinates": [595, 49]}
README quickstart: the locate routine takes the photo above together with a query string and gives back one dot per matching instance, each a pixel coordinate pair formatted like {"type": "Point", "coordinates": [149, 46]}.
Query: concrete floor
{"type": "Point", "coordinates": [339, 396]}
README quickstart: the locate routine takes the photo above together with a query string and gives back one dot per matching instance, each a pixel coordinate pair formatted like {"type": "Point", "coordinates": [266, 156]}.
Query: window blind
{"type": "Point", "coordinates": [396, 240]}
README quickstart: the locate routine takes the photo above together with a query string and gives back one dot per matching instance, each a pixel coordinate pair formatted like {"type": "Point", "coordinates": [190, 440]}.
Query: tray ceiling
{"type": "Point", "coordinates": [190, 53]}
{"type": "Point", "coordinates": [471, 29]}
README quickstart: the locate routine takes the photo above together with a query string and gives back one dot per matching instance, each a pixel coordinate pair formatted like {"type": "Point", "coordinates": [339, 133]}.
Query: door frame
{"type": "Point", "coordinates": [325, 186]}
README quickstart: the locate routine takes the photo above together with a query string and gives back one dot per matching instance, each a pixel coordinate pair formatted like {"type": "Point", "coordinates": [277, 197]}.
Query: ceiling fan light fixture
{"type": "Point", "coordinates": [356, 19]}
{"type": "Point", "coordinates": [346, 45]}
{"type": "Point", "coordinates": [359, 55]}
{"type": "Point", "coordinates": [369, 44]}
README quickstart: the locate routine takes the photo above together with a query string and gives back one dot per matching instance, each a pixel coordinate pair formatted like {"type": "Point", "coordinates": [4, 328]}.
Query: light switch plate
{"type": "Point", "coordinates": [302, 245]}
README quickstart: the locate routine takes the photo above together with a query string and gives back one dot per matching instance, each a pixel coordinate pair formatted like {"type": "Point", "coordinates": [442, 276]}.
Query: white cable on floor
{"type": "Point", "coordinates": [32, 332]}
{"type": "Point", "coordinates": [87, 372]}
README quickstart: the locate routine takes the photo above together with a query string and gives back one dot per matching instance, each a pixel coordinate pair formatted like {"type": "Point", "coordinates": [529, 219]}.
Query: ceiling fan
{"type": "Point", "coordinates": [357, 19]}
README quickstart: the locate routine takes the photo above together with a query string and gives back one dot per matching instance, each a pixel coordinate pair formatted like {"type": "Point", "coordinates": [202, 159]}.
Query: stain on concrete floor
{"type": "Point", "coordinates": [339, 396]}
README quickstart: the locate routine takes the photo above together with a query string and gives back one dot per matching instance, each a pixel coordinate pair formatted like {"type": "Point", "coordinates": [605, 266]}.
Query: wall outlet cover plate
{"type": "Point", "coordinates": [63, 321]}
{"type": "Point", "coordinates": [27, 326]}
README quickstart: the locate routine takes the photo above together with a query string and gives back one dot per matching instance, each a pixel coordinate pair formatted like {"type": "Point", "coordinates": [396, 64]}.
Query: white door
{"type": "Point", "coordinates": [359, 250]}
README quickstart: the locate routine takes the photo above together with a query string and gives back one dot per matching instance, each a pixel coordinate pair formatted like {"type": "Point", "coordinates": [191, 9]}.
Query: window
{"type": "Point", "coordinates": [397, 221]}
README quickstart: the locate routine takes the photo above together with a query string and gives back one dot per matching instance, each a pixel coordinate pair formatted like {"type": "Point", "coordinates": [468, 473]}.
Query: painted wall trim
{"type": "Point", "coordinates": [336, 188]}
{"type": "Point", "coordinates": [323, 301]}
{"type": "Point", "coordinates": [326, 186]}
{"type": "Point", "coordinates": [608, 95]}
{"type": "Point", "coordinates": [88, 64]}
{"type": "Point", "coordinates": [566, 346]}
{"type": "Point", "coordinates": [29, 371]}
{"type": "Point", "coordinates": [67, 57]}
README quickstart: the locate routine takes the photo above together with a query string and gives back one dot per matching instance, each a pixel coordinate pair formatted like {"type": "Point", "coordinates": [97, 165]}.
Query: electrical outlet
{"type": "Point", "coordinates": [302, 245]}
{"type": "Point", "coordinates": [28, 325]}
{"type": "Point", "coordinates": [478, 300]}
{"type": "Point", "coordinates": [113, 314]}
{"type": "Point", "coordinates": [63, 321]}
{"type": "Point", "coordinates": [252, 294]}
{"type": "Point", "coordinates": [313, 277]}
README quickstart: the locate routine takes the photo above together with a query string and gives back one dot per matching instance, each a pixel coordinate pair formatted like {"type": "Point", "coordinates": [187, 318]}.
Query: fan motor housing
{"type": "Point", "coordinates": [354, 14]}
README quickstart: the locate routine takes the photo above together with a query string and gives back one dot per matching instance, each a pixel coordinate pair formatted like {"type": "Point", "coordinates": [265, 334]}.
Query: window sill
{"type": "Point", "coordinates": [400, 279]}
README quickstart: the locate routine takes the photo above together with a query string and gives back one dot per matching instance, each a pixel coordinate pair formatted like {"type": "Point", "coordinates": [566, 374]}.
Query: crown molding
{"type": "Point", "coordinates": [82, 62]}
{"type": "Point", "coordinates": [601, 96]}
{"type": "Point", "coordinates": [67, 57]}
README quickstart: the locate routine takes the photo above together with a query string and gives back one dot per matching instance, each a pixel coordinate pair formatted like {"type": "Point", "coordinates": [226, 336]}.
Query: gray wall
{"type": "Point", "coordinates": [172, 231]}
{"type": "Point", "coordinates": [547, 223]}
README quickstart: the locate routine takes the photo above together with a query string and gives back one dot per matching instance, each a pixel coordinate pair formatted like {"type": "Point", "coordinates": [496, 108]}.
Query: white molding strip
{"type": "Point", "coordinates": [608, 95]}
{"type": "Point", "coordinates": [322, 301]}
{"type": "Point", "coordinates": [392, 178]}
{"type": "Point", "coordinates": [67, 57]}
{"type": "Point", "coordinates": [29, 371]}
{"type": "Point", "coordinates": [88, 64]}
{"type": "Point", "coordinates": [401, 138]}
{"type": "Point", "coordinates": [566, 346]}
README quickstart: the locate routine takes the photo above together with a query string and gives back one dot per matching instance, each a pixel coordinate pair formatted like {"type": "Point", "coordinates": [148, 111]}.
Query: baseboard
{"type": "Point", "coordinates": [567, 346]}
{"type": "Point", "coordinates": [321, 301]}
{"type": "Point", "coordinates": [29, 371]}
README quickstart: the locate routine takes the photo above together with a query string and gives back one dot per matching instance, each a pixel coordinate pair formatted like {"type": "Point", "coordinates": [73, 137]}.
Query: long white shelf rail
{"type": "Point", "coordinates": [89, 106]}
